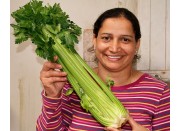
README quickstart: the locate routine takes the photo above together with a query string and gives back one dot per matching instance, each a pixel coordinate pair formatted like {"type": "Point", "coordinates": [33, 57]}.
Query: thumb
{"type": "Point", "coordinates": [111, 129]}
{"type": "Point", "coordinates": [132, 122]}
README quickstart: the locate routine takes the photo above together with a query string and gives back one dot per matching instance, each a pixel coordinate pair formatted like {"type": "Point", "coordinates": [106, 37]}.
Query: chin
{"type": "Point", "coordinates": [113, 67]}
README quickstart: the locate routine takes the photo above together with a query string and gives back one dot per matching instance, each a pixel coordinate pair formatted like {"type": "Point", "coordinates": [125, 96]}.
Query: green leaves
{"type": "Point", "coordinates": [33, 17]}
{"type": "Point", "coordinates": [109, 82]}
{"type": "Point", "coordinates": [20, 34]}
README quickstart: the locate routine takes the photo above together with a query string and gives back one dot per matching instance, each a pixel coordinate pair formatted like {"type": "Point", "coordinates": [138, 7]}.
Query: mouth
{"type": "Point", "coordinates": [114, 57]}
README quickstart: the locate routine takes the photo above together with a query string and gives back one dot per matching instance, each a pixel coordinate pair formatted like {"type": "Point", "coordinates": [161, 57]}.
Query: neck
{"type": "Point", "coordinates": [121, 77]}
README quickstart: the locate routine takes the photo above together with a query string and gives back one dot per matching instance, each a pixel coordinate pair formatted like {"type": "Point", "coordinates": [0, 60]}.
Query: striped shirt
{"type": "Point", "coordinates": [147, 99]}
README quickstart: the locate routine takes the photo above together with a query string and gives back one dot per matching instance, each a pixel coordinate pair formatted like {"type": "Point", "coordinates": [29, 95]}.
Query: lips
{"type": "Point", "coordinates": [114, 57]}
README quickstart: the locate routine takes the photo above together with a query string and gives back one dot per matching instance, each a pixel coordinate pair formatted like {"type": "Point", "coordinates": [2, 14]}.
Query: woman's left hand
{"type": "Point", "coordinates": [135, 126]}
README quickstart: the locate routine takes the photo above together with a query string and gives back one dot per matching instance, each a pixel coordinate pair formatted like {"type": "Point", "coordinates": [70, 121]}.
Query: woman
{"type": "Point", "coordinates": [116, 43]}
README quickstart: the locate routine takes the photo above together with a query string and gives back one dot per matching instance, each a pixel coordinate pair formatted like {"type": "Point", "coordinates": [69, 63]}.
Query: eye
{"type": "Point", "coordinates": [106, 38]}
{"type": "Point", "coordinates": [125, 40]}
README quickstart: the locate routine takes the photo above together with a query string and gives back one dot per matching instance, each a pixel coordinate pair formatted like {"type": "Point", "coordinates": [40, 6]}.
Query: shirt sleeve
{"type": "Point", "coordinates": [161, 119]}
{"type": "Point", "coordinates": [56, 113]}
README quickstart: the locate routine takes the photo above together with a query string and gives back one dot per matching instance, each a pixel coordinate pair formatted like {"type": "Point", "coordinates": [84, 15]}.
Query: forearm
{"type": "Point", "coordinates": [51, 116]}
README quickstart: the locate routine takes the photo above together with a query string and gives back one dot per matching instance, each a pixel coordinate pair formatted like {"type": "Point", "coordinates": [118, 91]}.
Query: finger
{"type": "Point", "coordinates": [49, 65]}
{"type": "Point", "coordinates": [53, 73]}
{"type": "Point", "coordinates": [51, 80]}
{"type": "Point", "coordinates": [48, 82]}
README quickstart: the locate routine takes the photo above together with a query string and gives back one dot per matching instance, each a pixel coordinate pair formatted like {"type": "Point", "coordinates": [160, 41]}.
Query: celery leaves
{"type": "Point", "coordinates": [33, 17]}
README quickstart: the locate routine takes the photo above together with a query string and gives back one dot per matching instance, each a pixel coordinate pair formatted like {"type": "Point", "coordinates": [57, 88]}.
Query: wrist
{"type": "Point", "coordinates": [52, 95]}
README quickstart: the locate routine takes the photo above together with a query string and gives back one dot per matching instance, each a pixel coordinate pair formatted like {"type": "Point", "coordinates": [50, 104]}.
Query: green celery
{"type": "Point", "coordinates": [50, 29]}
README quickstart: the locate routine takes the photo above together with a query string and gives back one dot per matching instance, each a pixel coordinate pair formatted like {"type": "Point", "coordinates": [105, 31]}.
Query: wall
{"type": "Point", "coordinates": [25, 65]}
{"type": "Point", "coordinates": [155, 44]}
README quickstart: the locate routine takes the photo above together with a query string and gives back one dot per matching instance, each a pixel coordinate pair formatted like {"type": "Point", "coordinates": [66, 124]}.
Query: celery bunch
{"type": "Point", "coordinates": [50, 29]}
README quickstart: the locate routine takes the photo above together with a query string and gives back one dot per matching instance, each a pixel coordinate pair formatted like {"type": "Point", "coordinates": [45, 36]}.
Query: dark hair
{"type": "Point", "coordinates": [115, 13]}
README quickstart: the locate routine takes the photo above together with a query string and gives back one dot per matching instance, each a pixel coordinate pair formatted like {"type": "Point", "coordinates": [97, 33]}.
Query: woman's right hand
{"type": "Point", "coordinates": [52, 78]}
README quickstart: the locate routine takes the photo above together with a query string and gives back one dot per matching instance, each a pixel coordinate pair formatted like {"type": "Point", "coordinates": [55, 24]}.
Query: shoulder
{"type": "Point", "coordinates": [154, 88]}
{"type": "Point", "coordinates": [151, 79]}
{"type": "Point", "coordinates": [150, 82]}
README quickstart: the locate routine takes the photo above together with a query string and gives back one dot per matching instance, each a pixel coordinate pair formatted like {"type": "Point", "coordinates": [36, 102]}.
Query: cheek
{"type": "Point", "coordinates": [130, 50]}
{"type": "Point", "coordinates": [101, 47]}
{"type": "Point", "coordinates": [98, 52]}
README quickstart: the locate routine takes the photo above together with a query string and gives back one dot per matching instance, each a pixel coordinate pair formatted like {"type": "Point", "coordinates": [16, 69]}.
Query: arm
{"type": "Point", "coordinates": [56, 115]}
{"type": "Point", "coordinates": [161, 119]}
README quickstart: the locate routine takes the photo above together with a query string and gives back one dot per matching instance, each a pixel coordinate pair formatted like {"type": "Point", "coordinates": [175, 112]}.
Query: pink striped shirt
{"type": "Point", "coordinates": [147, 99]}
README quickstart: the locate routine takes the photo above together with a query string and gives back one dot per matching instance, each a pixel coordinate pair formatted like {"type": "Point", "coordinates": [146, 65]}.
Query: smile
{"type": "Point", "coordinates": [114, 57]}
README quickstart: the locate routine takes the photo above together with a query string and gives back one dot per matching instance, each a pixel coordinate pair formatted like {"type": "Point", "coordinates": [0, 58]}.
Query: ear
{"type": "Point", "coordinates": [137, 44]}
{"type": "Point", "coordinates": [94, 42]}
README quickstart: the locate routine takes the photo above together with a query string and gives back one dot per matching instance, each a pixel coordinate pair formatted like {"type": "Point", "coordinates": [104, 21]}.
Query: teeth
{"type": "Point", "coordinates": [114, 57]}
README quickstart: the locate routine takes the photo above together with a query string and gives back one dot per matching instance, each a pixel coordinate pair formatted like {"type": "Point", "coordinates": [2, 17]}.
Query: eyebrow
{"type": "Point", "coordinates": [120, 35]}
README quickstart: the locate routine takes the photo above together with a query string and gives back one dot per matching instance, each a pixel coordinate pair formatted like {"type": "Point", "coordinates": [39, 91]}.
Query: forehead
{"type": "Point", "coordinates": [117, 25]}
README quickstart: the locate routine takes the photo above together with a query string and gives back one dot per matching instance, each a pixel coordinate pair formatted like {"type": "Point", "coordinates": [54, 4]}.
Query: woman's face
{"type": "Point", "coordinates": [115, 45]}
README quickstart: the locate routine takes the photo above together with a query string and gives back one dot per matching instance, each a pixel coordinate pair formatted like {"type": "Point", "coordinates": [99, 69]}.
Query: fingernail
{"type": "Point", "coordinates": [59, 66]}
{"type": "Point", "coordinates": [64, 73]}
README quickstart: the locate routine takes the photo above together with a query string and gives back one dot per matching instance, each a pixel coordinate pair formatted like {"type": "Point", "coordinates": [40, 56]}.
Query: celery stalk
{"type": "Point", "coordinates": [50, 29]}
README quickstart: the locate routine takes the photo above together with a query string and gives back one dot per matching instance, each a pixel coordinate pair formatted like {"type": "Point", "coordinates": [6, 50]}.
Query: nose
{"type": "Point", "coordinates": [114, 46]}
